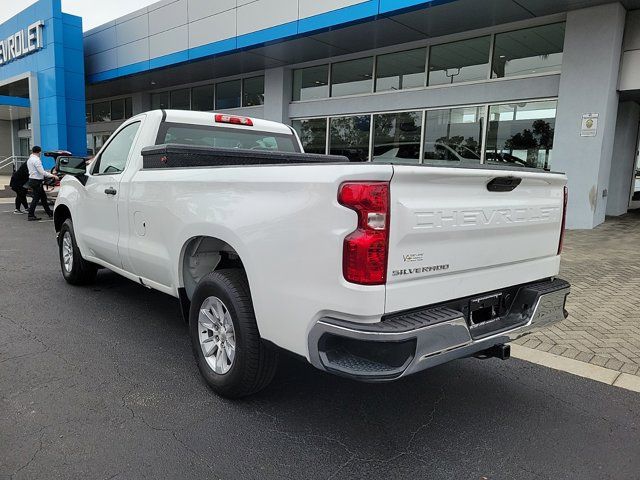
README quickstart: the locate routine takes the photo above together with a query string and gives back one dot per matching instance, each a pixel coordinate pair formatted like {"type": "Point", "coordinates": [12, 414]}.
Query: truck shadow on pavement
{"type": "Point", "coordinates": [482, 418]}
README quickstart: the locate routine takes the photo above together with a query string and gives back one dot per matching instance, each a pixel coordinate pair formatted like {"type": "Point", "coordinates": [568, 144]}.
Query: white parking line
{"type": "Point", "coordinates": [576, 367]}
{"type": "Point", "coordinates": [24, 214]}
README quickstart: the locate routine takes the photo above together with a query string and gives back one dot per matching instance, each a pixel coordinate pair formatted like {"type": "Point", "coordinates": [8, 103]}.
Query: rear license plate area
{"type": "Point", "coordinates": [485, 309]}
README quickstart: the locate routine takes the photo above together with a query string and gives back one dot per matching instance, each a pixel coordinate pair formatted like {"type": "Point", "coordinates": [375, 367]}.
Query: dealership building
{"type": "Point", "coordinates": [541, 83]}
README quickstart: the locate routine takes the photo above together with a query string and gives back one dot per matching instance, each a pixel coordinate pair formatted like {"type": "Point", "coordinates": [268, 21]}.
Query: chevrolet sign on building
{"type": "Point", "coordinates": [21, 43]}
{"type": "Point", "coordinates": [42, 89]}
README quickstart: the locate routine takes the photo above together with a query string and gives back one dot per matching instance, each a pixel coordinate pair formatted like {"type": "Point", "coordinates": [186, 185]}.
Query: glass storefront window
{"type": "Point", "coordinates": [396, 137]}
{"type": "Point", "coordinates": [109, 111]}
{"type": "Point", "coordinates": [311, 83]}
{"type": "Point", "coordinates": [159, 100]}
{"type": "Point", "coordinates": [352, 77]}
{"type": "Point", "coordinates": [202, 98]}
{"type": "Point", "coordinates": [453, 136]}
{"type": "Point", "coordinates": [528, 51]}
{"type": "Point", "coordinates": [313, 134]}
{"type": "Point", "coordinates": [117, 109]}
{"type": "Point", "coordinates": [99, 139]}
{"type": "Point", "coordinates": [521, 134]}
{"type": "Point", "coordinates": [397, 71]}
{"type": "Point", "coordinates": [349, 136]}
{"type": "Point", "coordinates": [25, 147]}
{"type": "Point", "coordinates": [253, 91]}
{"type": "Point", "coordinates": [228, 95]}
{"type": "Point", "coordinates": [102, 112]}
{"type": "Point", "coordinates": [457, 62]}
{"type": "Point", "coordinates": [181, 99]}
{"type": "Point", "coordinates": [24, 123]}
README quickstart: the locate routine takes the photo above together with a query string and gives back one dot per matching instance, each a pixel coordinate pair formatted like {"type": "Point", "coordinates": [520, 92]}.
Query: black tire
{"type": "Point", "coordinates": [255, 363]}
{"type": "Point", "coordinates": [82, 272]}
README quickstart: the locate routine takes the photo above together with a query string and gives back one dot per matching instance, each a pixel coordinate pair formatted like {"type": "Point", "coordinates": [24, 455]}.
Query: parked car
{"type": "Point", "coordinates": [435, 153]}
{"type": "Point", "coordinates": [55, 155]}
{"type": "Point", "coordinates": [372, 271]}
{"type": "Point", "coordinates": [504, 158]}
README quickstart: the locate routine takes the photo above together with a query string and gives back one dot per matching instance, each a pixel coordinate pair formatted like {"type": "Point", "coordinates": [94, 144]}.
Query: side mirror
{"type": "Point", "coordinates": [75, 166]}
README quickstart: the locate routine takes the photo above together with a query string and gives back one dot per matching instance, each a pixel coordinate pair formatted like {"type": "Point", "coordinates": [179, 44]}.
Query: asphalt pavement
{"type": "Point", "coordinates": [100, 383]}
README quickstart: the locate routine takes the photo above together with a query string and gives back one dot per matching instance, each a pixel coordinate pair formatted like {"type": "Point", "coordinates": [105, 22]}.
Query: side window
{"type": "Point", "coordinates": [114, 157]}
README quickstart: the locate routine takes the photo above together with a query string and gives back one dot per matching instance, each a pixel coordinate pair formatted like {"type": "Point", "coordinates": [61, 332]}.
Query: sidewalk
{"type": "Point", "coordinates": [603, 328]}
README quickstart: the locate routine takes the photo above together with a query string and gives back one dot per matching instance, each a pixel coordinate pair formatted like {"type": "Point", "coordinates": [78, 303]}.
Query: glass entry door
{"type": "Point", "coordinates": [25, 147]}
{"type": "Point", "coordinates": [635, 186]}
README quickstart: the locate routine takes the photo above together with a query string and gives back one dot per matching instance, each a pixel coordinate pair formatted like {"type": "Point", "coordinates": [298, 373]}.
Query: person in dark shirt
{"type": "Point", "coordinates": [18, 180]}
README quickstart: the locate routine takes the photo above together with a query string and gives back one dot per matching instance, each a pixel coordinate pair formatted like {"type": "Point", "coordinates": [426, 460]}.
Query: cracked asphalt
{"type": "Point", "coordinates": [100, 383]}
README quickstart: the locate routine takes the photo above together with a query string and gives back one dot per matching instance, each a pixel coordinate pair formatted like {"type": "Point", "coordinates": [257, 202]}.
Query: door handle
{"type": "Point", "coordinates": [110, 191]}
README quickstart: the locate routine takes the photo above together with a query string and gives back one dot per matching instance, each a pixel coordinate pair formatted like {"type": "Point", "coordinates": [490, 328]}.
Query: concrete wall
{"type": "Point", "coordinates": [590, 67]}
{"type": "Point", "coordinates": [6, 141]}
{"type": "Point", "coordinates": [175, 31]}
{"type": "Point", "coordinates": [624, 158]}
{"type": "Point", "coordinates": [500, 91]}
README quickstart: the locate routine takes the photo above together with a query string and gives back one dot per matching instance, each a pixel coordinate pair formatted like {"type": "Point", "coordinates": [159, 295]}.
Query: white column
{"type": "Point", "coordinates": [590, 65]}
{"type": "Point", "coordinates": [623, 161]}
{"type": "Point", "coordinates": [277, 94]}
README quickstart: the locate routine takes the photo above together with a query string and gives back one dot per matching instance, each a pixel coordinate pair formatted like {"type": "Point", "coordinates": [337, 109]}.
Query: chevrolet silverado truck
{"type": "Point", "coordinates": [372, 271]}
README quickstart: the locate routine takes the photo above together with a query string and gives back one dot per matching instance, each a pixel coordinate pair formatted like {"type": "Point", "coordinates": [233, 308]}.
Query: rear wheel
{"type": "Point", "coordinates": [75, 269]}
{"type": "Point", "coordinates": [233, 359]}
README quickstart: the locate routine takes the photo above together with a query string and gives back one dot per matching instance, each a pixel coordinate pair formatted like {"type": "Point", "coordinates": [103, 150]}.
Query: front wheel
{"type": "Point", "coordinates": [75, 269]}
{"type": "Point", "coordinates": [233, 359]}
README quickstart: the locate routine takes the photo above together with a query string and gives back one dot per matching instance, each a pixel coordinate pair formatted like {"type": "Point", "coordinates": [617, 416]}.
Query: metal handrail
{"type": "Point", "coordinates": [16, 160]}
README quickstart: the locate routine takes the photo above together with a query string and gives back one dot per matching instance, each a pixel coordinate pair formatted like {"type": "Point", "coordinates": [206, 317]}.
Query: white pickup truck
{"type": "Point", "coordinates": [368, 270]}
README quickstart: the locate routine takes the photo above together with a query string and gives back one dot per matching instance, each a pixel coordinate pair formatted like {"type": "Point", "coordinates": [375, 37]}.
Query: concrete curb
{"type": "Point", "coordinates": [576, 367]}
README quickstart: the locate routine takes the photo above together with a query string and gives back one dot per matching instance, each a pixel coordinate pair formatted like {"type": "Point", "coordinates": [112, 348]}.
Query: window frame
{"type": "Point", "coordinates": [428, 47]}
{"type": "Point", "coordinates": [215, 94]}
{"type": "Point", "coordinates": [293, 82]}
{"type": "Point", "coordinates": [184, 89]}
{"type": "Point", "coordinates": [489, 61]}
{"type": "Point", "coordinates": [163, 92]}
{"type": "Point", "coordinates": [124, 113]}
{"type": "Point", "coordinates": [351, 115]}
{"type": "Point", "coordinates": [371, 79]}
{"type": "Point", "coordinates": [376, 68]}
{"type": "Point", "coordinates": [421, 123]}
{"type": "Point", "coordinates": [242, 91]}
{"type": "Point", "coordinates": [483, 110]}
{"type": "Point", "coordinates": [93, 111]}
{"type": "Point", "coordinates": [524, 75]}
{"type": "Point", "coordinates": [326, 131]}
{"type": "Point", "coordinates": [126, 102]}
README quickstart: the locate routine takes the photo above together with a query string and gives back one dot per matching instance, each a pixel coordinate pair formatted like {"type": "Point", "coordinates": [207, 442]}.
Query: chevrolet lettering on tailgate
{"type": "Point", "coordinates": [448, 219]}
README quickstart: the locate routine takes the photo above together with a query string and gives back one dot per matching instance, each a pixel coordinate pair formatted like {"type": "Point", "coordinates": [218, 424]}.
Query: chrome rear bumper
{"type": "Point", "coordinates": [413, 341]}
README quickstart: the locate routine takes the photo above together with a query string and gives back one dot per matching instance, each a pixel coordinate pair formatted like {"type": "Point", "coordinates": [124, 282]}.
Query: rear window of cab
{"type": "Point", "coordinates": [221, 137]}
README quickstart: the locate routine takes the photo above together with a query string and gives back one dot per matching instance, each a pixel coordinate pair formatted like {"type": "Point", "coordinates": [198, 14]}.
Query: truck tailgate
{"type": "Point", "coordinates": [451, 236]}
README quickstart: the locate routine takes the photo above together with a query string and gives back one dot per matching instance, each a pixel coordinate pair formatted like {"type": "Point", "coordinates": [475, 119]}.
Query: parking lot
{"type": "Point", "coordinates": [100, 382]}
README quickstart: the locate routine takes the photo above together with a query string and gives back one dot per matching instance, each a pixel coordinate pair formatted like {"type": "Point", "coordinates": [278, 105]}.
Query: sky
{"type": "Point", "coordinates": [93, 12]}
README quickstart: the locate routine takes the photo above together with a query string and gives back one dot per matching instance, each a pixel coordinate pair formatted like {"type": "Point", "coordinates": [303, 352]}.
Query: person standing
{"type": "Point", "coordinates": [18, 180]}
{"type": "Point", "coordinates": [37, 174]}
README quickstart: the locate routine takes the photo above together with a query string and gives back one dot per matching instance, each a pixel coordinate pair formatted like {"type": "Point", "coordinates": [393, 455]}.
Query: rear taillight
{"type": "Point", "coordinates": [364, 256]}
{"type": "Point", "coordinates": [234, 120]}
{"type": "Point", "coordinates": [564, 219]}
